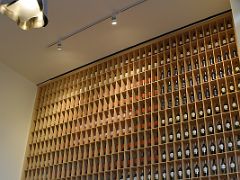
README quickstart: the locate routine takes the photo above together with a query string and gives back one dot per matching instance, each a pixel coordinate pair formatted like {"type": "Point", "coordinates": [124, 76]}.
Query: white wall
{"type": "Point", "coordinates": [235, 5]}
{"type": "Point", "coordinates": [17, 96]}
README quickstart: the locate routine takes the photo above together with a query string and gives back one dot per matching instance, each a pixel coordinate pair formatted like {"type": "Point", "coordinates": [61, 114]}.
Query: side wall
{"type": "Point", "coordinates": [235, 5]}
{"type": "Point", "coordinates": [17, 96]}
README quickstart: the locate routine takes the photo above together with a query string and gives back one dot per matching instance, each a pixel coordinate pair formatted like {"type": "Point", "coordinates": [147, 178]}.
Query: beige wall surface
{"type": "Point", "coordinates": [235, 5]}
{"type": "Point", "coordinates": [17, 96]}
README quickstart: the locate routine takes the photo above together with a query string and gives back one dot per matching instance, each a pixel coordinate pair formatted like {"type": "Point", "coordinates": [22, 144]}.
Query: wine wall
{"type": "Point", "coordinates": [168, 109]}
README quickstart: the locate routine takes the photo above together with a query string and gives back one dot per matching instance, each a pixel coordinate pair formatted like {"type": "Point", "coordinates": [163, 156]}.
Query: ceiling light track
{"type": "Point", "coordinates": [96, 22]}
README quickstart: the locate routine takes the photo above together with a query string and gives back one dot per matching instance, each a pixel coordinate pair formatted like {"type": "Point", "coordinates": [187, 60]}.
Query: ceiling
{"type": "Point", "coordinates": [26, 51]}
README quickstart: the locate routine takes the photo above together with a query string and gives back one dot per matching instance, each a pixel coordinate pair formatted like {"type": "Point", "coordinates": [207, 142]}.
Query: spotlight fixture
{"type": "Point", "coordinates": [114, 20]}
{"type": "Point", "coordinates": [59, 45]}
{"type": "Point", "coordinates": [27, 14]}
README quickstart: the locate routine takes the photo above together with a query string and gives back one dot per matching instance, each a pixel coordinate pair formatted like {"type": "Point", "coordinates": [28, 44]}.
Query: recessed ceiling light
{"type": "Point", "coordinates": [114, 20]}
{"type": "Point", "coordinates": [59, 45]}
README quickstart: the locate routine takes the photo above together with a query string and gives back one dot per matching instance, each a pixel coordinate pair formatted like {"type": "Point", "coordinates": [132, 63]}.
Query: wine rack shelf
{"type": "Point", "coordinates": [168, 109]}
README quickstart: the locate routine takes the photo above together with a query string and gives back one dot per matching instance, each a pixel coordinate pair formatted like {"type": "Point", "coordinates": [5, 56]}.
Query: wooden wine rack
{"type": "Point", "coordinates": [108, 120]}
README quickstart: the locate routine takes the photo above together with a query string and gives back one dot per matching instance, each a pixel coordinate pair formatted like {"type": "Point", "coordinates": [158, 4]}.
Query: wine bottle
{"type": "Point", "coordinates": [128, 177]}
{"type": "Point", "coordinates": [204, 149]}
{"type": "Point", "coordinates": [191, 97]}
{"type": "Point", "coordinates": [186, 134]}
{"type": "Point", "coordinates": [188, 171]}
{"type": "Point", "coordinates": [196, 64]}
{"type": "Point", "coordinates": [169, 72]}
{"type": "Point", "coordinates": [228, 125]}
{"type": "Point", "coordinates": [167, 46]}
{"type": "Point", "coordinates": [211, 60]}
{"type": "Point", "coordinates": [164, 174]}
{"type": "Point", "coordinates": [162, 74]}
{"type": "Point", "coordinates": [202, 130]}
{"type": "Point", "coordinates": [190, 81]}
{"type": "Point", "coordinates": [237, 69]}
{"type": "Point", "coordinates": [177, 118]}
{"type": "Point", "coordinates": [187, 151]}
{"type": "Point", "coordinates": [121, 177]}
{"type": "Point", "coordinates": [194, 132]}
{"type": "Point", "coordinates": [163, 138]}
{"type": "Point", "coordinates": [178, 135]}
{"type": "Point", "coordinates": [235, 53]}
{"type": "Point", "coordinates": [219, 58]}
{"type": "Point", "coordinates": [205, 169]}
{"type": "Point", "coordinates": [162, 104]}
{"type": "Point", "coordinates": [209, 111]}
{"type": "Point", "coordinates": [212, 148]}
{"type": "Point", "coordinates": [189, 66]}
{"type": "Point", "coordinates": [149, 174]}
{"type": "Point", "coordinates": [200, 34]}
{"type": "Point", "coordinates": [205, 77]}
{"type": "Point", "coordinates": [182, 68]}
{"type": "Point", "coordinates": [198, 79]}
{"type": "Point", "coordinates": [169, 86]}
{"type": "Point", "coordinates": [179, 153]}
{"type": "Point", "coordinates": [219, 126]}
{"type": "Point", "coordinates": [214, 167]}
{"type": "Point", "coordinates": [236, 122]}
{"type": "Point", "coordinates": [162, 89]}
{"type": "Point", "coordinates": [180, 41]}
{"type": "Point", "coordinates": [223, 166]}
{"type": "Point", "coordinates": [195, 150]}
{"type": "Point", "coordinates": [234, 103]}
{"type": "Point", "coordinates": [176, 101]}
{"type": "Point", "coordinates": [193, 114]}
{"type": "Point", "coordinates": [224, 41]}
{"type": "Point", "coordinates": [176, 85]}
{"type": "Point", "coordinates": [221, 146]}
{"type": "Point", "coordinates": [229, 70]}
{"type": "Point", "coordinates": [210, 129]}
{"type": "Point", "coordinates": [185, 116]}
{"type": "Point", "coordinates": [207, 93]}
{"type": "Point", "coordinates": [183, 83]}
{"type": "Point", "coordinates": [225, 107]}
{"type": "Point", "coordinates": [172, 174]}
{"type": "Point", "coordinates": [163, 122]}
{"type": "Point", "coordinates": [156, 176]}
{"type": "Point", "coordinates": [231, 87]}
{"type": "Point", "coordinates": [204, 64]}
{"type": "Point", "coordinates": [196, 170]}
{"type": "Point", "coordinates": [207, 32]}
{"type": "Point", "coordinates": [174, 44]}
{"type": "Point", "coordinates": [201, 113]}
{"type": "Point", "coordinates": [187, 39]}
{"type": "Point", "coordinates": [238, 142]}
{"type": "Point", "coordinates": [170, 119]}
{"type": "Point", "coordinates": [194, 36]}
{"type": "Point", "coordinates": [216, 43]}
{"type": "Point", "coordinates": [229, 25]}
{"type": "Point", "coordinates": [217, 109]}
{"type": "Point", "coordinates": [170, 137]}
{"type": "Point", "coordinates": [171, 155]}
{"type": "Point", "coordinates": [230, 144]}
{"type": "Point", "coordinates": [226, 55]}
{"type": "Point", "coordinates": [232, 165]}
{"type": "Point", "coordinates": [213, 74]}
{"type": "Point", "coordinates": [221, 73]}
{"type": "Point", "coordinates": [180, 173]}
{"type": "Point", "coordinates": [135, 176]}
{"type": "Point", "coordinates": [215, 91]}
{"type": "Point", "coordinates": [164, 156]}
{"type": "Point", "coordinates": [199, 94]}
